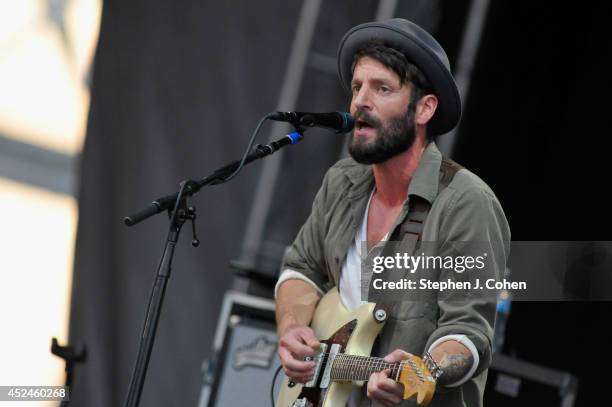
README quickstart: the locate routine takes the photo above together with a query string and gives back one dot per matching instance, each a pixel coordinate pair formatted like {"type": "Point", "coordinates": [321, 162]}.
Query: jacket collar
{"type": "Point", "coordinates": [424, 182]}
{"type": "Point", "coordinates": [426, 178]}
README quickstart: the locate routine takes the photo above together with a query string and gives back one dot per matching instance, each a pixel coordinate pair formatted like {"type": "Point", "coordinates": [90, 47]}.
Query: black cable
{"type": "Point", "coordinates": [247, 151]}
{"type": "Point", "coordinates": [273, 382]}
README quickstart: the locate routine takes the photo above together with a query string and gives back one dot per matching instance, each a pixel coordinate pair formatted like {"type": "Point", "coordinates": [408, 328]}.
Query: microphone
{"type": "Point", "coordinates": [341, 122]}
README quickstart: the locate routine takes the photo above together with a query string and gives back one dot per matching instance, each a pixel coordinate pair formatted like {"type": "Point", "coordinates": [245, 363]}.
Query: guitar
{"type": "Point", "coordinates": [344, 359]}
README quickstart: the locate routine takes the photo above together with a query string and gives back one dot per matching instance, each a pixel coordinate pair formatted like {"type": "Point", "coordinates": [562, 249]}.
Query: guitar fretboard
{"type": "Point", "coordinates": [359, 368]}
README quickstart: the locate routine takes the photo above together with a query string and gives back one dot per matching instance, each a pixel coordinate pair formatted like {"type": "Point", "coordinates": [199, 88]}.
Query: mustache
{"type": "Point", "coordinates": [367, 117]}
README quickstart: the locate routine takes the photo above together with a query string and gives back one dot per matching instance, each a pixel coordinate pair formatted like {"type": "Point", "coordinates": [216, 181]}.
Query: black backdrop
{"type": "Point", "coordinates": [536, 128]}
{"type": "Point", "coordinates": [177, 88]}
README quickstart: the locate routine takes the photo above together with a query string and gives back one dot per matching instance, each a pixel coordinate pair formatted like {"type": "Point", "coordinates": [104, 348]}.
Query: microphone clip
{"type": "Point", "coordinates": [289, 117]}
{"type": "Point", "coordinates": [339, 122]}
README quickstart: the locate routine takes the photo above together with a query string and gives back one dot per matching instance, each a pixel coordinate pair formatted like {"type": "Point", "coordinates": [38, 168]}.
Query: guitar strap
{"type": "Point", "coordinates": [412, 227]}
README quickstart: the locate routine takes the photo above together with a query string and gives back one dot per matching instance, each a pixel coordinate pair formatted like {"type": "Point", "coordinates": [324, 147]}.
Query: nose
{"type": "Point", "coordinates": [361, 100]}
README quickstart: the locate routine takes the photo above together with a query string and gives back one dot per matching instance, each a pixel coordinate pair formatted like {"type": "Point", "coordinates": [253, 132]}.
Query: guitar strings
{"type": "Point", "coordinates": [357, 362]}
{"type": "Point", "coordinates": [358, 358]}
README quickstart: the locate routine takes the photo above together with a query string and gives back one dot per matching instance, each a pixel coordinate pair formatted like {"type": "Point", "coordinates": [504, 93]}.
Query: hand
{"type": "Point", "coordinates": [381, 388]}
{"type": "Point", "coordinates": [296, 343]}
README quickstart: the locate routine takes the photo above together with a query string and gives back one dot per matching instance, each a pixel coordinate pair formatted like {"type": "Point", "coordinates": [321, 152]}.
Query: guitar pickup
{"type": "Point", "coordinates": [333, 351]}
{"type": "Point", "coordinates": [318, 359]}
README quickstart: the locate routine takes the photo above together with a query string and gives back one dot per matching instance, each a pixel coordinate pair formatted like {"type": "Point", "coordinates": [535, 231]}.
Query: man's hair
{"type": "Point", "coordinates": [397, 62]}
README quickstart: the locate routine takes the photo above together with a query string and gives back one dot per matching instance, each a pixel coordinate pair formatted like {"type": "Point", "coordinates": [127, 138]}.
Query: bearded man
{"type": "Point", "coordinates": [402, 97]}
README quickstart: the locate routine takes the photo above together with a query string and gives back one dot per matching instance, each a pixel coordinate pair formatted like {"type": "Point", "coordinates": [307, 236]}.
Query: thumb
{"type": "Point", "coordinates": [310, 339]}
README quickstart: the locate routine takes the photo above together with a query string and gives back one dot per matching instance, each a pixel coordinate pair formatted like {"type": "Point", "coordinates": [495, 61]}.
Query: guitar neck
{"type": "Point", "coordinates": [359, 368]}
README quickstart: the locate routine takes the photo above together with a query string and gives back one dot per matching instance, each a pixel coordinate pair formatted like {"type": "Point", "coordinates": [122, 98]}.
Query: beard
{"type": "Point", "coordinates": [392, 138]}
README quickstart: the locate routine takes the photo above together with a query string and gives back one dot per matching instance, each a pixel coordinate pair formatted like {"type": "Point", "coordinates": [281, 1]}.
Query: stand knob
{"type": "Point", "coordinates": [195, 242]}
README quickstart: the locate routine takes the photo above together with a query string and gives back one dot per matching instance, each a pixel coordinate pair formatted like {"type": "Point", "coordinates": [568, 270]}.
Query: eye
{"type": "Point", "coordinates": [384, 89]}
{"type": "Point", "coordinates": [355, 88]}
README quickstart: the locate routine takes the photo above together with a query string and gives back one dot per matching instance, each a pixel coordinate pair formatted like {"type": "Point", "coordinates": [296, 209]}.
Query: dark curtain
{"type": "Point", "coordinates": [177, 89]}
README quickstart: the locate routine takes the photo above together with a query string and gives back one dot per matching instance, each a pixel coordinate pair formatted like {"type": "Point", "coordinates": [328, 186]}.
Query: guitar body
{"type": "Point", "coordinates": [355, 332]}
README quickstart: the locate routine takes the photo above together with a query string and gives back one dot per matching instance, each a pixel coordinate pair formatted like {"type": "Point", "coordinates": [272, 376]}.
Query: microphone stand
{"type": "Point", "coordinates": [180, 212]}
{"type": "Point", "coordinates": [71, 355]}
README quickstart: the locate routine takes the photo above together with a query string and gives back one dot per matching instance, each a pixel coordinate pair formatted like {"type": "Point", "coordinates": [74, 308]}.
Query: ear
{"type": "Point", "coordinates": [425, 109]}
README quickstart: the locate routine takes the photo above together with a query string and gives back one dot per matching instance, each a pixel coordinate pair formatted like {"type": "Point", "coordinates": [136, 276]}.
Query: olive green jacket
{"type": "Point", "coordinates": [466, 210]}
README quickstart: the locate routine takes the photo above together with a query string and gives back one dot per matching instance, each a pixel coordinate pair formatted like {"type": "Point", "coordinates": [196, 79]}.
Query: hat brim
{"type": "Point", "coordinates": [416, 44]}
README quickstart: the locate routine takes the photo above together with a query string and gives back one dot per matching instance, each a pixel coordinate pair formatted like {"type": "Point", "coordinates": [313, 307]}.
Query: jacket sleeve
{"type": "Point", "coordinates": [306, 255]}
{"type": "Point", "coordinates": [474, 224]}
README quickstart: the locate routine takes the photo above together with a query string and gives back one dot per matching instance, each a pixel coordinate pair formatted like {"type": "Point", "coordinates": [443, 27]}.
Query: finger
{"type": "Point", "coordinates": [385, 397]}
{"type": "Point", "coordinates": [392, 387]}
{"type": "Point", "coordinates": [388, 384]}
{"type": "Point", "coordinates": [381, 387]}
{"type": "Point", "coordinates": [382, 396]}
{"type": "Point", "coordinates": [374, 383]}
{"type": "Point", "coordinates": [309, 338]}
{"type": "Point", "coordinates": [396, 356]}
{"type": "Point", "coordinates": [293, 364]}
{"type": "Point", "coordinates": [296, 346]}
{"type": "Point", "coordinates": [297, 377]}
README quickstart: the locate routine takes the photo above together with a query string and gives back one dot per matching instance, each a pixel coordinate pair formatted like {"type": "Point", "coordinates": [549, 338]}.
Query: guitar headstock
{"type": "Point", "coordinates": [417, 379]}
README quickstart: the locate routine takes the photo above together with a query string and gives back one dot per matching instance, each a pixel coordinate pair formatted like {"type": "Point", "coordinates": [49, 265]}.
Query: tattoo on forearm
{"type": "Point", "coordinates": [454, 367]}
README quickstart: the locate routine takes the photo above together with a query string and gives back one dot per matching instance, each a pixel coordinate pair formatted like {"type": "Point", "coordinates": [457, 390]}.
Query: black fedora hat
{"type": "Point", "coordinates": [421, 49]}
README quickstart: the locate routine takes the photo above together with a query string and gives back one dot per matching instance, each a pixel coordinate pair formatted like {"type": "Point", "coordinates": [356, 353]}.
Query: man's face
{"type": "Point", "coordinates": [384, 126]}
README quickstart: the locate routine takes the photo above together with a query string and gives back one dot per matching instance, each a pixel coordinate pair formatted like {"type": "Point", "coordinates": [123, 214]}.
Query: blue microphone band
{"type": "Point", "coordinates": [295, 137]}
